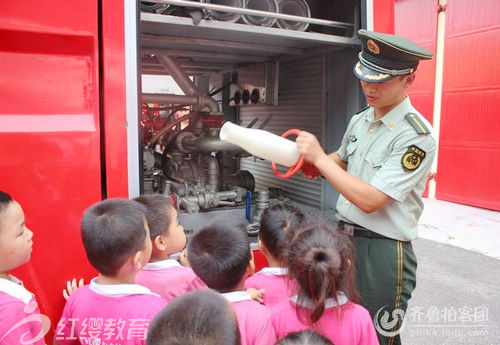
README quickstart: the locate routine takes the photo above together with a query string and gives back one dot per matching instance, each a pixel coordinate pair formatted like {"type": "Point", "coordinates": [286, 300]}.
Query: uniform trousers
{"type": "Point", "coordinates": [385, 278]}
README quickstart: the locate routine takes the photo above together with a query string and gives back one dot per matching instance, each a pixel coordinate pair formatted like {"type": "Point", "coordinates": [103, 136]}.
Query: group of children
{"type": "Point", "coordinates": [211, 296]}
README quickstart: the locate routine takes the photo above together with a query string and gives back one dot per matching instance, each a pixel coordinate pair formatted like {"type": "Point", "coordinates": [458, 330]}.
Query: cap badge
{"type": "Point", "coordinates": [373, 47]}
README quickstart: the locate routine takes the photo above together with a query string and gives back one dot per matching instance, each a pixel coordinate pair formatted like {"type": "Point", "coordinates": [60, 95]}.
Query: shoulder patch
{"type": "Point", "coordinates": [417, 124]}
{"type": "Point", "coordinates": [412, 158]}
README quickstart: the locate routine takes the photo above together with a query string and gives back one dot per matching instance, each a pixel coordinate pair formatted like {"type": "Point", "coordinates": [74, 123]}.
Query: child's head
{"type": "Point", "coordinates": [220, 255]}
{"type": "Point", "coordinates": [166, 234]}
{"type": "Point", "coordinates": [16, 240]}
{"type": "Point", "coordinates": [114, 231]}
{"type": "Point", "coordinates": [307, 337]}
{"type": "Point", "coordinates": [320, 259]}
{"type": "Point", "coordinates": [201, 317]}
{"type": "Point", "coordinates": [276, 225]}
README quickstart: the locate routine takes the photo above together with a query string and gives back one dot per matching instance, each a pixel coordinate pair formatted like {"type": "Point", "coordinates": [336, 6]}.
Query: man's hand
{"type": "Point", "coordinates": [72, 286]}
{"type": "Point", "coordinates": [309, 147]}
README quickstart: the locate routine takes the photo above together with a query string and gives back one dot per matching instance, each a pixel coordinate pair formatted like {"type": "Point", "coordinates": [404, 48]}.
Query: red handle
{"type": "Point", "coordinates": [294, 169]}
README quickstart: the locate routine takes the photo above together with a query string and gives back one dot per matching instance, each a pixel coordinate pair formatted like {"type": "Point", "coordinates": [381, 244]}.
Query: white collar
{"type": "Point", "coordinates": [119, 290]}
{"type": "Point", "coordinates": [161, 265]}
{"type": "Point", "coordinates": [237, 296]}
{"type": "Point", "coordinates": [330, 302]}
{"type": "Point", "coordinates": [273, 271]}
{"type": "Point", "coordinates": [14, 287]}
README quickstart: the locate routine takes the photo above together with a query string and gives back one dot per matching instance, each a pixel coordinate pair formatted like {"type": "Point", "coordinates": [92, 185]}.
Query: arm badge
{"type": "Point", "coordinates": [412, 158]}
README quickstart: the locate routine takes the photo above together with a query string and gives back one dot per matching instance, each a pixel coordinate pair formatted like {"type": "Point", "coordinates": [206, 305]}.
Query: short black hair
{"type": "Point", "coordinates": [201, 317]}
{"type": "Point", "coordinates": [306, 337]}
{"type": "Point", "coordinates": [5, 199]}
{"type": "Point", "coordinates": [220, 253]}
{"type": "Point", "coordinates": [276, 226]}
{"type": "Point", "coordinates": [157, 213]}
{"type": "Point", "coordinates": [112, 230]}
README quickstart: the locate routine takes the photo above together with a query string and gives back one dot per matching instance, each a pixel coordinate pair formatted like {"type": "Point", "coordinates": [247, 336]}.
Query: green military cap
{"type": "Point", "coordinates": [386, 56]}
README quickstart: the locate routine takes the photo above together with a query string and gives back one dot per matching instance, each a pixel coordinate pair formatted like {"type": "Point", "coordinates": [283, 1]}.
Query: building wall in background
{"type": "Point", "coordinates": [469, 149]}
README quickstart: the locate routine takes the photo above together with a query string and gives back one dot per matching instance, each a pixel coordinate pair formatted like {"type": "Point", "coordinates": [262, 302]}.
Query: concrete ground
{"type": "Point", "coordinates": [457, 299]}
{"type": "Point", "coordinates": [467, 227]}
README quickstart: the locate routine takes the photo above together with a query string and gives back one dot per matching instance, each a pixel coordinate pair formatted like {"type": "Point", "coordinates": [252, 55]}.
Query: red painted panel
{"type": "Point", "coordinates": [466, 16]}
{"type": "Point", "coordinates": [470, 118]}
{"type": "Point", "coordinates": [115, 119]}
{"type": "Point", "coordinates": [469, 175]}
{"type": "Point", "coordinates": [260, 260]}
{"type": "Point", "coordinates": [416, 20]}
{"type": "Point", "coordinates": [383, 13]}
{"type": "Point", "coordinates": [49, 134]}
{"type": "Point", "coordinates": [471, 60]}
{"type": "Point", "coordinates": [469, 142]}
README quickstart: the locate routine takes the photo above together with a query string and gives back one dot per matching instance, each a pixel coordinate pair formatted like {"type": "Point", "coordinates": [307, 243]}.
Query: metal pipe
{"type": "Point", "coordinates": [438, 91]}
{"type": "Point", "coordinates": [212, 173]}
{"type": "Point", "coordinates": [257, 13]}
{"type": "Point", "coordinates": [180, 77]}
{"type": "Point", "coordinates": [186, 85]}
{"type": "Point", "coordinates": [202, 100]}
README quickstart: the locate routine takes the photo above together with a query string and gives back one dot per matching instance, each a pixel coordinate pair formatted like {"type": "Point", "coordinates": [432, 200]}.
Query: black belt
{"type": "Point", "coordinates": [359, 231]}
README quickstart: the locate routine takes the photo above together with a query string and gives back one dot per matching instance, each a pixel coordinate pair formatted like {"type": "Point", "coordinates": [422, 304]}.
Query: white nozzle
{"type": "Point", "coordinates": [261, 144]}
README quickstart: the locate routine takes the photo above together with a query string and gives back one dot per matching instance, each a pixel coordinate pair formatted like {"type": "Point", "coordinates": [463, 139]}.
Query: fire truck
{"type": "Point", "coordinates": [77, 126]}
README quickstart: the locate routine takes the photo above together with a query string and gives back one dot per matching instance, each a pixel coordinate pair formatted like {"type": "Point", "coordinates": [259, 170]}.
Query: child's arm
{"type": "Point", "coordinates": [72, 286]}
{"type": "Point", "coordinates": [256, 294]}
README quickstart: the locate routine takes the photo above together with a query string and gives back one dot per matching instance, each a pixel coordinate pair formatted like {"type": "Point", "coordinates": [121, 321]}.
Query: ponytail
{"type": "Point", "coordinates": [320, 260]}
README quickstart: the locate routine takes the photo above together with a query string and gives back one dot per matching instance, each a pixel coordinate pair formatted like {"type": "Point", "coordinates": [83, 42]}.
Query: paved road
{"type": "Point", "coordinates": [457, 299]}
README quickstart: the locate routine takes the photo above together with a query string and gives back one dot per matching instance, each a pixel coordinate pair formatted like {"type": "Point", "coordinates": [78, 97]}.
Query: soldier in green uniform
{"type": "Point", "coordinates": [380, 171]}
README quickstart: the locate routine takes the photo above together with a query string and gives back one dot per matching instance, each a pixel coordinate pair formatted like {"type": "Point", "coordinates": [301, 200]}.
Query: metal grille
{"type": "Point", "coordinates": [301, 104]}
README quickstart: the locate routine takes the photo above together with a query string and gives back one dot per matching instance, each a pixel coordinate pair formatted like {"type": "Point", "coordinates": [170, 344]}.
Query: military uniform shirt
{"type": "Point", "coordinates": [392, 156]}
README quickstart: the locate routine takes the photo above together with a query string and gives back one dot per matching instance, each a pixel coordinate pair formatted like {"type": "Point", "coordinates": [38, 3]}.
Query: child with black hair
{"type": "Point", "coordinates": [16, 302]}
{"type": "Point", "coordinates": [321, 261]}
{"type": "Point", "coordinates": [307, 337]}
{"type": "Point", "coordinates": [112, 309]}
{"type": "Point", "coordinates": [165, 276]}
{"type": "Point", "coordinates": [221, 256]}
{"type": "Point", "coordinates": [276, 225]}
{"type": "Point", "coordinates": [200, 317]}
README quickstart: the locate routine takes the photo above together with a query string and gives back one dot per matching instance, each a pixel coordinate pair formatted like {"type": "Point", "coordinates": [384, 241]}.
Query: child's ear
{"type": "Point", "coordinates": [262, 247]}
{"type": "Point", "coordinates": [160, 243]}
{"type": "Point", "coordinates": [139, 260]}
{"type": "Point", "coordinates": [250, 268]}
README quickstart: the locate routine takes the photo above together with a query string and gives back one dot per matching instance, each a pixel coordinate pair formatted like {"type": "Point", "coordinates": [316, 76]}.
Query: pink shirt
{"type": "Point", "coordinates": [168, 279]}
{"type": "Point", "coordinates": [19, 315]}
{"type": "Point", "coordinates": [275, 283]}
{"type": "Point", "coordinates": [353, 327]}
{"type": "Point", "coordinates": [108, 314]}
{"type": "Point", "coordinates": [254, 319]}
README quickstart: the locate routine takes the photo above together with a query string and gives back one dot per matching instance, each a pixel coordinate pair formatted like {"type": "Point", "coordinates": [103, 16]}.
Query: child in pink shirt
{"type": "Point", "coordinates": [112, 309]}
{"type": "Point", "coordinates": [162, 275]}
{"type": "Point", "coordinates": [321, 261]}
{"type": "Point", "coordinates": [220, 255]}
{"type": "Point", "coordinates": [20, 319]}
{"type": "Point", "coordinates": [200, 317]}
{"type": "Point", "coordinates": [276, 225]}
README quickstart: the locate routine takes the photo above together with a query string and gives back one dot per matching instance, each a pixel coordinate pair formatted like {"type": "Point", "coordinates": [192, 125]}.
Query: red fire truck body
{"type": "Point", "coordinates": [69, 80]}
